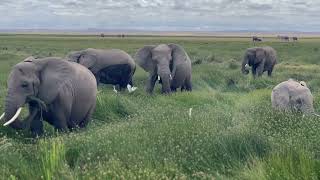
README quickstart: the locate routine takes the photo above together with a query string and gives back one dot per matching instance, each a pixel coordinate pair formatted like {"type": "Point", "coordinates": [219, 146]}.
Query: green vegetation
{"type": "Point", "coordinates": [232, 134]}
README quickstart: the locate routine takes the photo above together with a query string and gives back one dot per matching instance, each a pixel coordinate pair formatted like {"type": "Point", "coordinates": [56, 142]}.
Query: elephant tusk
{"type": "Point", "coordinates": [2, 115]}
{"type": "Point", "coordinates": [158, 78]}
{"type": "Point", "coordinates": [14, 117]}
{"type": "Point", "coordinates": [247, 67]}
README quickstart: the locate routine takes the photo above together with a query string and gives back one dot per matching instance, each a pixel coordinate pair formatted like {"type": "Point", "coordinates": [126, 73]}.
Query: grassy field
{"type": "Point", "coordinates": [233, 132]}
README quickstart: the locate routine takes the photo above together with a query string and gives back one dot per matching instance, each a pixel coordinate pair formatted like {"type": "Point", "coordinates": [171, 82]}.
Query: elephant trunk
{"type": "Point", "coordinates": [245, 65]}
{"type": "Point", "coordinates": [12, 110]}
{"type": "Point", "coordinates": [165, 75]}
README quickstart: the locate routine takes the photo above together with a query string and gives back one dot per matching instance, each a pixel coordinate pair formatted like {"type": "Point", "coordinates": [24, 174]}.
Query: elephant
{"type": "Point", "coordinates": [291, 95]}
{"type": "Point", "coordinates": [57, 91]}
{"type": "Point", "coordinates": [261, 59]}
{"type": "Point", "coordinates": [170, 62]}
{"type": "Point", "coordinates": [109, 66]}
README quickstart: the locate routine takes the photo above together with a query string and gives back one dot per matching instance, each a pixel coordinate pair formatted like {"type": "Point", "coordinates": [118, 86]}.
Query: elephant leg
{"type": "Point", "coordinates": [260, 68]}
{"type": "Point", "coordinates": [270, 71]}
{"type": "Point", "coordinates": [151, 82]}
{"type": "Point", "coordinates": [60, 112]}
{"type": "Point", "coordinates": [188, 84]}
{"type": "Point", "coordinates": [254, 71]}
{"type": "Point", "coordinates": [85, 121]}
{"type": "Point", "coordinates": [119, 87]}
{"type": "Point", "coordinates": [130, 81]}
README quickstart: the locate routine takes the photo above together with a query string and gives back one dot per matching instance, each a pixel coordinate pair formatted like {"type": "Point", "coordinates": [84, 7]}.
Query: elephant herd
{"type": "Point", "coordinates": [55, 88]}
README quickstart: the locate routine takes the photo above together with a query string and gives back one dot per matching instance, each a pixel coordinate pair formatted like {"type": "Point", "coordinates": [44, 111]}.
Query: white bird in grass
{"type": "Point", "coordinates": [190, 112]}
{"type": "Point", "coordinates": [114, 89]}
{"type": "Point", "coordinates": [131, 89]}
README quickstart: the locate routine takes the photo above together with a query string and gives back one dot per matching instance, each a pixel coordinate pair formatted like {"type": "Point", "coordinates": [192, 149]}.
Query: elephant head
{"type": "Point", "coordinates": [160, 61]}
{"type": "Point", "coordinates": [30, 80]}
{"type": "Point", "coordinates": [253, 56]}
{"type": "Point", "coordinates": [85, 57]}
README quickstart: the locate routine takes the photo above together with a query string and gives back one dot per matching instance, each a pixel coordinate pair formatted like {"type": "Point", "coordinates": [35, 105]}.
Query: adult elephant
{"type": "Point", "coordinates": [260, 59]}
{"type": "Point", "coordinates": [109, 66]}
{"type": "Point", "coordinates": [60, 92]}
{"type": "Point", "coordinates": [170, 62]}
{"type": "Point", "coordinates": [292, 96]}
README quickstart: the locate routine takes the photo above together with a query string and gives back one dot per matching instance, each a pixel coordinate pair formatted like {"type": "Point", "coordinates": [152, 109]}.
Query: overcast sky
{"type": "Point", "coordinates": [180, 15]}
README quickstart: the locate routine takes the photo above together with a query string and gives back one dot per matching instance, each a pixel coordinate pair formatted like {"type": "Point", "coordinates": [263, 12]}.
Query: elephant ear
{"type": "Point", "coordinates": [144, 58]}
{"type": "Point", "coordinates": [54, 75]}
{"type": "Point", "coordinates": [74, 56]}
{"type": "Point", "coordinates": [88, 60]}
{"type": "Point", "coordinates": [179, 55]}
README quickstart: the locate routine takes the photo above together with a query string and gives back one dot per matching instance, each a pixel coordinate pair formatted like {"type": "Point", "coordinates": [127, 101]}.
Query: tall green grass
{"type": "Point", "coordinates": [233, 133]}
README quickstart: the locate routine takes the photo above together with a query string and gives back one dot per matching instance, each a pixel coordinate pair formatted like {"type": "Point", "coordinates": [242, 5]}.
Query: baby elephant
{"type": "Point", "coordinates": [61, 92]}
{"type": "Point", "coordinates": [261, 59]}
{"type": "Point", "coordinates": [110, 66]}
{"type": "Point", "coordinates": [293, 96]}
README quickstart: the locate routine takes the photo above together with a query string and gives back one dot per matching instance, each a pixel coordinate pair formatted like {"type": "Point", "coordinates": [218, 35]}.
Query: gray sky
{"type": "Point", "coordinates": [190, 15]}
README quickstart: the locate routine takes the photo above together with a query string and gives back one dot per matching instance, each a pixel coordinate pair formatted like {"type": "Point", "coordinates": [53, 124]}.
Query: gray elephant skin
{"type": "Point", "coordinates": [67, 89]}
{"type": "Point", "coordinates": [260, 59]}
{"type": "Point", "coordinates": [170, 62]}
{"type": "Point", "coordinates": [109, 66]}
{"type": "Point", "coordinates": [292, 96]}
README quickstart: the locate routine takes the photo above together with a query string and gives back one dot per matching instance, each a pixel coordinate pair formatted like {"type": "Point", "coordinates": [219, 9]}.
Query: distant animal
{"type": "Point", "coordinates": [292, 96]}
{"type": "Point", "coordinates": [284, 38]}
{"type": "Point", "coordinates": [260, 59]}
{"type": "Point", "coordinates": [168, 61]}
{"type": "Point", "coordinates": [295, 38]}
{"type": "Point", "coordinates": [61, 92]}
{"type": "Point", "coordinates": [256, 39]}
{"type": "Point", "coordinates": [109, 66]}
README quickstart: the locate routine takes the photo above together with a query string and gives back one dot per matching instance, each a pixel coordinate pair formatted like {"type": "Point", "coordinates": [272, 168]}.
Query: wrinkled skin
{"type": "Point", "coordinates": [110, 66]}
{"type": "Point", "coordinates": [260, 59]}
{"type": "Point", "coordinates": [292, 96]}
{"type": "Point", "coordinates": [170, 62]}
{"type": "Point", "coordinates": [67, 89]}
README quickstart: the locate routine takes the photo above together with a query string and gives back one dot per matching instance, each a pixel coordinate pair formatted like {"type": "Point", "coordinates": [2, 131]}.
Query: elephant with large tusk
{"type": "Point", "coordinates": [170, 62]}
{"type": "Point", "coordinates": [57, 91]}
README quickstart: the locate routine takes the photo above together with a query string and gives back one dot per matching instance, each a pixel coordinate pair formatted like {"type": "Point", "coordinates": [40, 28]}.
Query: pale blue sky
{"type": "Point", "coordinates": [192, 15]}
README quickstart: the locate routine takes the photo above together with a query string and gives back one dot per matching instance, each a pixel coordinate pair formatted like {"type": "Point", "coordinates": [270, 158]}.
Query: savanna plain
{"type": "Point", "coordinates": [233, 133]}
